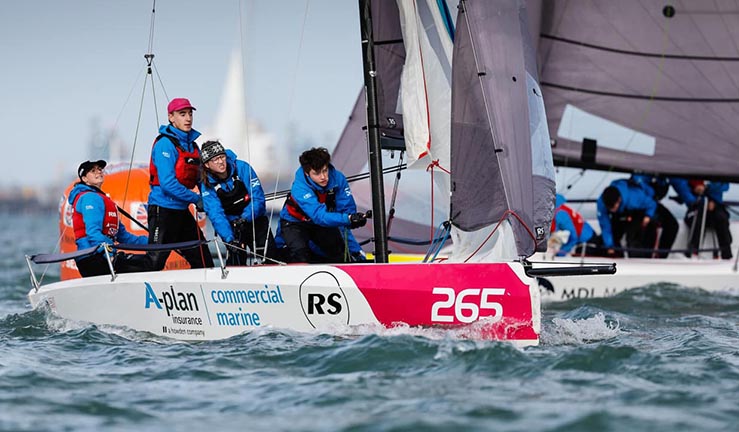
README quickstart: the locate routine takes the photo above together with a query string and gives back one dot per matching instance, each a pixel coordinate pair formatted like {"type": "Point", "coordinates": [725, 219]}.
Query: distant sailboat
{"type": "Point", "coordinates": [242, 134]}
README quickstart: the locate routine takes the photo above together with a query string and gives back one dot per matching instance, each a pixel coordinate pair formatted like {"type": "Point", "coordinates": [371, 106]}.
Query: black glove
{"type": "Point", "coordinates": [234, 245]}
{"type": "Point", "coordinates": [357, 220]}
{"type": "Point", "coordinates": [238, 223]}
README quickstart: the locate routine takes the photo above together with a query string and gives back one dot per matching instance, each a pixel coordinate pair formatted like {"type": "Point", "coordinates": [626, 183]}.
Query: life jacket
{"type": "Point", "coordinates": [328, 198]}
{"type": "Point", "coordinates": [186, 169]}
{"type": "Point", "coordinates": [576, 217]}
{"type": "Point", "coordinates": [234, 201]}
{"type": "Point", "coordinates": [110, 217]}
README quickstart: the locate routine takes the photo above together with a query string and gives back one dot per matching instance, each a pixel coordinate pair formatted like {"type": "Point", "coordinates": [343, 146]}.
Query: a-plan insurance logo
{"type": "Point", "coordinates": [323, 301]}
{"type": "Point", "coordinates": [171, 300]}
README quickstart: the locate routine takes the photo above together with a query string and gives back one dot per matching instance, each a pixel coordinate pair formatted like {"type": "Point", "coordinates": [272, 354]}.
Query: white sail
{"type": "Point", "coordinates": [245, 136]}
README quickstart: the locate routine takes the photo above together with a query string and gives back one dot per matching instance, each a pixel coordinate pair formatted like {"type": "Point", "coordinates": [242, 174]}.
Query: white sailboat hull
{"type": "Point", "coordinates": [497, 301]}
{"type": "Point", "coordinates": [709, 275]}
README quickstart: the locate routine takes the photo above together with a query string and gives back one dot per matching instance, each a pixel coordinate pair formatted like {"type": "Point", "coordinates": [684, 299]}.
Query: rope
{"type": "Point", "coordinates": [444, 230]}
{"type": "Point", "coordinates": [434, 163]}
{"type": "Point", "coordinates": [263, 257]}
{"type": "Point", "coordinates": [500, 221]}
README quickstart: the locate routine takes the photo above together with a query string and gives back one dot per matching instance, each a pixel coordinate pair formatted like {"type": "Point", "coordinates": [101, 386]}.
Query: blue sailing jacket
{"type": "Point", "coordinates": [633, 198]}
{"type": "Point", "coordinates": [170, 193]}
{"type": "Point", "coordinates": [212, 204]}
{"type": "Point", "coordinates": [92, 208]}
{"type": "Point", "coordinates": [563, 222]}
{"type": "Point", "coordinates": [683, 190]}
{"type": "Point", "coordinates": [304, 190]}
{"type": "Point", "coordinates": [714, 191]}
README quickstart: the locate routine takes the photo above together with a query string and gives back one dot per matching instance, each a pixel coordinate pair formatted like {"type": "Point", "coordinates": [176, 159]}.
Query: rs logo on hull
{"type": "Point", "coordinates": [323, 301]}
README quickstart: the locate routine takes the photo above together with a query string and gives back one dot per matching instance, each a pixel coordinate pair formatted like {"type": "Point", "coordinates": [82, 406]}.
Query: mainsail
{"type": "Point", "coordinates": [641, 85]}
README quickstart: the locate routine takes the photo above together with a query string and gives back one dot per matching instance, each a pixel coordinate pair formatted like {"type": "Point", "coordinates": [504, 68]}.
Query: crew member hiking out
{"type": "Point", "coordinates": [174, 171]}
{"type": "Point", "coordinates": [234, 201]}
{"type": "Point", "coordinates": [95, 220]}
{"type": "Point", "coordinates": [319, 209]}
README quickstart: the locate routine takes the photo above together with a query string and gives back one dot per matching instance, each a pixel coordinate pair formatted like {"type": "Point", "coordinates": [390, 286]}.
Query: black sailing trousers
{"type": "Point", "coordinates": [329, 240]}
{"type": "Point", "coordinates": [173, 226]}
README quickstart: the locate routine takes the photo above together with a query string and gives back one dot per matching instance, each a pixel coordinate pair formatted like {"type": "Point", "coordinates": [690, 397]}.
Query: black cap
{"type": "Point", "coordinates": [86, 166]}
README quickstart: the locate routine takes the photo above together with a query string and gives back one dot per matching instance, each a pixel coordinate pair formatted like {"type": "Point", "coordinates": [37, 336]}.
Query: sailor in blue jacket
{"type": "Point", "coordinates": [95, 220]}
{"type": "Point", "coordinates": [319, 209]}
{"type": "Point", "coordinates": [174, 171]}
{"type": "Point", "coordinates": [580, 232]}
{"type": "Point", "coordinates": [234, 201]}
{"type": "Point", "coordinates": [626, 206]}
{"type": "Point", "coordinates": [709, 198]}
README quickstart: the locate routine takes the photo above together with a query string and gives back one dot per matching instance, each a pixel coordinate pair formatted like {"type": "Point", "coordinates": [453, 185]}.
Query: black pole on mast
{"type": "Point", "coordinates": [373, 132]}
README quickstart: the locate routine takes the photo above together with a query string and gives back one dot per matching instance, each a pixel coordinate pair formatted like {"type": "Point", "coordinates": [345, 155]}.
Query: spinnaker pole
{"type": "Point", "coordinates": [373, 132]}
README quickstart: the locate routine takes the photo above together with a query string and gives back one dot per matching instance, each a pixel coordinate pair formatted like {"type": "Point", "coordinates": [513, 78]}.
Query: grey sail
{"type": "Point", "coordinates": [642, 85]}
{"type": "Point", "coordinates": [492, 153]}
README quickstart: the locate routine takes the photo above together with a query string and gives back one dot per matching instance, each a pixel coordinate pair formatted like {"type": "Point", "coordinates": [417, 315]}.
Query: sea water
{"type": "Point", "coordinates": [657, 358]}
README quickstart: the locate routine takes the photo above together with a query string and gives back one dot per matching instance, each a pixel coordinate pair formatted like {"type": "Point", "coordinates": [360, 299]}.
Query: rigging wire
{"type": "Point", "coordinates": [133, 150]}
{"type": "Point", "coordinates": [253, 246]}
{"type": "Point", "coordinates": [291, 104]}
{"type": "Point", "coordinates": [149, 58]}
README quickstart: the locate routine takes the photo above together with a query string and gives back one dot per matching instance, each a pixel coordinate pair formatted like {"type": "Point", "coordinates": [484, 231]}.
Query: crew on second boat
{"type": "Point", "coordinates": [627, 207]}
{"type": "Point", "coordinates": [708, 199]}
{"type": "Point", "coordinates": [580, 235]}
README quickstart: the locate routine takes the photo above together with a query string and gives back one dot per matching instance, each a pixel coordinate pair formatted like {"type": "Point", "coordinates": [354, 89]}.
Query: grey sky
{"type": "Point", "coordinates": [66, 63]}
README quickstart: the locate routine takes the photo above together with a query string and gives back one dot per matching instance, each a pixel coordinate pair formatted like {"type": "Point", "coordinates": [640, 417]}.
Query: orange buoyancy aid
{"type": "Point", "coordinates": [328, 198]}
{"type": "Point", "coordinates": [110, 218]}
{"type": "Point", "coordinates": [576, 217]}
{"type": "Point", "coordinates": [186, 169]}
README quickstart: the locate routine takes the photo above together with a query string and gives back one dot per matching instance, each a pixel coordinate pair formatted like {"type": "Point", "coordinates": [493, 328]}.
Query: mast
{"type": "Point", "coordinates": [373, 131]}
